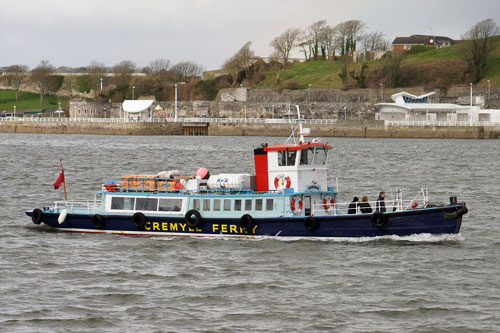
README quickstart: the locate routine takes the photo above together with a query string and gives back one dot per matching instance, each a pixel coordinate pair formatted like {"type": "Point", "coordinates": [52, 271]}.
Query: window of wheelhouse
{"type": "Point", "coordinates": [286, 157]}
{"type": "Point", "coordinates": [320, 155]}
{"type": "Point", "coordinates": [122, 203]}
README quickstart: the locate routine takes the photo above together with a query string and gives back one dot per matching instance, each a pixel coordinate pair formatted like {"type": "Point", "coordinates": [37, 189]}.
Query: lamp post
{"type": "Point", "coordinates": [59, 110]}
{"type": "Point", "coordinates": [471, 94]}
{"type": "Point", "coordinates": [309, 96]}
{"type": "Point", "coordinates": [489, 89]}
{"type": "Point", "coordinates": [345, 113]}
{"type": "Point", "coordinates": [101, 83]}
{"type": "Point", "coordinates": [381, 92]}
{"type": "Point", "coordinates": [273, 112]}
{"type": "Point", "coordinates": [175, 102]}
{"type": "Point", "coordinates": [14, 111]}
{"type": "Point", "coordinates": [133, 92]}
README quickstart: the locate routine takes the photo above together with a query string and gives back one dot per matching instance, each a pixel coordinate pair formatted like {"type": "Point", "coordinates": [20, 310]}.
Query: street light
{"type": "Point", "coordinates": [175, 102]}
{"type": "Point", "coordinates": [133, 92]}
{"type": "Point", "coordinates": [273, 112]}
{"type": "Point", "coordinates": [101, 83]}
{"type": "Point", "coordinates": [489, 89]}
{"type": "Point", "coordinates": [14, 111]}
{"type": "Point", "coordinates": [345, 113]}
{"type": "Point", "coordinates": [59, 110]}
{"type": "Point", "coordinates": [381, 92]}
{"type": "Point", "coordinates": [471, 94]}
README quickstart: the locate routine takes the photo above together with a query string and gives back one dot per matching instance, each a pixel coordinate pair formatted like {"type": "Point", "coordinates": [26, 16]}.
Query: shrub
{"type": "Point", "coordinates": [421, 48]}
{"type": "Point", "coordinates": [292, 85]}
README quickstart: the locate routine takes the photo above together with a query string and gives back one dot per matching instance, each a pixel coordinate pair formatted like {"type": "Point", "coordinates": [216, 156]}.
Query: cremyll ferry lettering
{"type": "Point", "coordinates": [182, 227]}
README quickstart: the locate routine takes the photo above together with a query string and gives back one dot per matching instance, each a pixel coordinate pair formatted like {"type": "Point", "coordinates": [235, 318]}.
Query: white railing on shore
{"type": "Point", "coordinates": [169, 120]}
{"type": "Point", "coordinates": [441, 123]}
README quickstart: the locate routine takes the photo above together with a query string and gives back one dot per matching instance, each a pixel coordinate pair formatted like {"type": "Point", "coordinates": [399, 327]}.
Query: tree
{"type": "Point", "coordinates": [19, 74]}
{"type": "Point", "coordinates": [124, 71]}
{"type": "Point", "coordinates": [348, 33]}
{"type": "Point", "coordinates": [284, 43]}
{"type": "Point", "coordinates": [374, 41]}
{"type": "Point", "coordinates": [361, 77]}
{"type": "Point", "coordinates": [394, 66]}
{"type": "Point", "coordinates": [314, 35]}
{"type": "Point", "coordinates": [240, 61]}
{"type": "Point", "coordinates": [96, 71]}
{"type": "Point", "coordinates": [477, 46]}
{"type": "Point", "coordinates": [158, 66]}
{"type": "Point", "coordinates": [41, 77]}
{"type": "Point", "coordinates": [186, 69]}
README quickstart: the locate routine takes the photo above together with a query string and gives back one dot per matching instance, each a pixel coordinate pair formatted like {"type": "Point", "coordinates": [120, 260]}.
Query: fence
{"type": "Point", "coordinates": [390, 123]}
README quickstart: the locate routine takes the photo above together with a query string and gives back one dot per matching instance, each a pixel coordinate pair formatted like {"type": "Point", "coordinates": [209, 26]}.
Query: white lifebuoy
{"type": "Point", "coordinates": [296, 204]}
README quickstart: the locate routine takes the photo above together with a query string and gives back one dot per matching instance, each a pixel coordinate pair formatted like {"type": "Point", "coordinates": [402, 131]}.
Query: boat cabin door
{"type": "Point", "coordinates": [307, 205]}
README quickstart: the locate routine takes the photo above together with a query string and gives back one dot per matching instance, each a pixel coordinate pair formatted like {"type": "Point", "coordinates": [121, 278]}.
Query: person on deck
{"type": "Point", "coordinates": [364, 205]}
{"type": "Point", "coordinates": [353, 206]}
{"type": "Point", "coordinates": [380, 204]}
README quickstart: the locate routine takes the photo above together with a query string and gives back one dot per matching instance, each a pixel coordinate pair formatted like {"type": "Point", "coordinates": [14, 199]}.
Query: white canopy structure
{"type": "Point", "coordinates": [136, 106]}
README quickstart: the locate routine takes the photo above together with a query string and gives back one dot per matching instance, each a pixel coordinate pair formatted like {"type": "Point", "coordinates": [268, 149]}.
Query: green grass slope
{"type": "Point", "coordinates": [28, 101]}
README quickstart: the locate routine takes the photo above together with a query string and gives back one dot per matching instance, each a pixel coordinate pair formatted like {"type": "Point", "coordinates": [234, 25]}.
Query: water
{"type": "Point", "coordinates": [62, 282]}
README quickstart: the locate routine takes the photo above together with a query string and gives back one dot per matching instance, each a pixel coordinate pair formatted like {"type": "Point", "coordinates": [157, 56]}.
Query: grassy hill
{"type": "Point", "coordinates": [28, 101]}
{"type": "Point", "coordinates": [438, 68]}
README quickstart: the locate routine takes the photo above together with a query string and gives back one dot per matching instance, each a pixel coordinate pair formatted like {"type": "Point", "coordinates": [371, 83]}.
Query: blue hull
{"type": "Point", "coordinates": [437, 220]}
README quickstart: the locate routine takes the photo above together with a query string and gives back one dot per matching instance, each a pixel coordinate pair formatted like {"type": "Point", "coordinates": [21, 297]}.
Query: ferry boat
{"type": "Point", "coordinates": [287, 197]}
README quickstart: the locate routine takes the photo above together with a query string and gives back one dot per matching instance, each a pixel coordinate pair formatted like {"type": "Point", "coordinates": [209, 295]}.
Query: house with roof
{"type": "Point", "coordinates": [411, 108]}
{"type": "Point", "coordinates": [406, 43]}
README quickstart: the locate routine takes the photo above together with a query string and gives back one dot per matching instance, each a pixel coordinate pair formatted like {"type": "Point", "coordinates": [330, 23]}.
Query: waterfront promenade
{"type": "Point", "coordinates": [250, 127]}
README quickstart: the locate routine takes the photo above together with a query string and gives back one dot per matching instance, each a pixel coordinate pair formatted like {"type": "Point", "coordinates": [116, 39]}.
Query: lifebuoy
{"type": "Point", "coordinates": [283, 179]}
{"type": "Point", "coordinates": [311, 223]}
{"type": "Point", "coordinates": [188, 218]}
{"type": "Point", "coordinates": [328, 203]}
{"type": "Point", "coordinates": [37, 216]}
{"type": "Point", "coordinates": [378, 219]}
{"type": "Point", "coordinates": [99, 221]}
{"type": "Point", "coordinates": [139, 220]}
{"type": "Point", "coordinates": [247, 222]}
{"type": "Point", "coordinates": [300, 205]}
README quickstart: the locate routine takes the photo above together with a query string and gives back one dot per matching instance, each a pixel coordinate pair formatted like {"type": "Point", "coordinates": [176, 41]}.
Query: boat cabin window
{"type": "Point", "coordinates": [217, 204]}
{"type": "Point", "coordinates": [122, 203]}
{"type": "Point", "coordinates": [258, 204]}
{"type": "Point", "coordinates": [237, 205]}
{"type": "Point", "coordinates": [146, 204]}
{"type": "Point", "coordinates": [227, 204]}
{"type": "Point", "coordinates": [206, 204]}
{"type": "Point", "coordinates": [286, 157]}
{"type": "Point", "coordinates": [306, 156]}
{"type": "Point", "coordinates": [248, 204]}
{"type": "Point", "coordinates": [320, 155]}
{"type": "Point", "coordinates": [170, 205]}
{"type": "Point", "coordinates": [196, 204]}
{"type": "Point", "coordinates": [269, 204]}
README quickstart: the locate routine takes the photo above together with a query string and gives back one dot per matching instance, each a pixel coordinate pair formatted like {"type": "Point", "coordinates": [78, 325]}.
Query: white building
{"type": "Point", "coordinates": [410, 108]}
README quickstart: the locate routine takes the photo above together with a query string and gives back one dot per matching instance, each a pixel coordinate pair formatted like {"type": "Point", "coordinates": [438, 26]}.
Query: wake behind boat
{"type": "Point", "coordinates": [287, 197]}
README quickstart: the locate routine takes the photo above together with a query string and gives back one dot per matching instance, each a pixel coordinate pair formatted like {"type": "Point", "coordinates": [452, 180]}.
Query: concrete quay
{"type": "Point", "coordinates": [359, 129]}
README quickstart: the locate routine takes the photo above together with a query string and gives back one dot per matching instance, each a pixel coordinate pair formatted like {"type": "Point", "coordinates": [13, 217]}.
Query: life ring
{"type": "Point", "coordinates": [37, 216]}
{"type": "Point", "coordinates": [98, 221]}
{"type": "Point", "coordinates": [139, 220]}
{"type": "Point", "coordinates": [328, 203]}
{"type": "Point", "coordinates": [311, 223]}
{"type": "Point", "coordinates": [378, 219]}
{"type": "Point", "coordinates": [188, 218]}
{"type": "Point", "coordinates": [247, 222]}
{"type": "Point", "coordinates": [283, 179]}
{"type": "Point", "coordinates": [296, 204]}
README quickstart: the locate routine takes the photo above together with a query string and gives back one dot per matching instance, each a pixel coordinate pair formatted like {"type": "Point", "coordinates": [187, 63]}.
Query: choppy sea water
{"type": "Point", "coordinates": [63, 282]}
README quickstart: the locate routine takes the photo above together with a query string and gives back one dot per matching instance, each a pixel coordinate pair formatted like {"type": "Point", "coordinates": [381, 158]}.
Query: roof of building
{"type": "Point", "coordinates": [422, 40]}
{"type": "Point", "coordinates": [135, 106]}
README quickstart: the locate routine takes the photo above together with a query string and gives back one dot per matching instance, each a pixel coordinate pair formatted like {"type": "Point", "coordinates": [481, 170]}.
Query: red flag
{"type": "Point", "coordinates": [59, 180]}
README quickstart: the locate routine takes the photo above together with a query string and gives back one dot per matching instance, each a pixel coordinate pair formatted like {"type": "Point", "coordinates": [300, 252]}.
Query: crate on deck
{"type": "Point", "coordinates": [149, 183]}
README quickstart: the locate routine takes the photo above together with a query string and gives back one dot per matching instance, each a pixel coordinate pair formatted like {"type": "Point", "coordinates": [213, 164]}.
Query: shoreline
{"type": "Point", "coordinates": [354, 129]}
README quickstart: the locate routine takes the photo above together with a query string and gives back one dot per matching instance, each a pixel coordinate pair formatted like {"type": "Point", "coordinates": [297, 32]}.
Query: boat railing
{"type": "Point", "coordinates": [88, 206]}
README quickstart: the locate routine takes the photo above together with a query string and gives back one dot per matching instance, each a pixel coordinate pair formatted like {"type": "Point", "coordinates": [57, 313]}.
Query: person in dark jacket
{"type": "Point", "coordinates": [364, 205]}
{"type": "Point", "coordinates": [380, 205]}
{"type": "Point", "coordinates": [353, 206]}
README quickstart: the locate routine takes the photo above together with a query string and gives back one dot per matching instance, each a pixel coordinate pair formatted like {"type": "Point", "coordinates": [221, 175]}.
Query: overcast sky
{"type": "Point", "coordinates": [75, 32]}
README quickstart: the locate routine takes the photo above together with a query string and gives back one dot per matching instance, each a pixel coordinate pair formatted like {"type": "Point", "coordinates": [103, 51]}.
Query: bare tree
{"type": "Point", "coordinates": [477, 47]}
{"type": "Point", "coordinates": [328, 42]}
{"type": "Point", "coordinates": [124, 71]}
{"type": "Point", "coordinates": [158, 66]}
{"type": "Point", "coordinates": [348, 33]}
{"type": "Point", "coordinates": [96, 71]}
{"type": "Point", "coordinates": [374, 41]}
{"type": "Point", "coordinates": [41, 77]}
{"type": "Point", "coordinates": [284, 43]}
{"type": "Point", "coordinates": [240, 61]}
{"type": "Point", "coordinates": [19, 74]}
{"type": "Point", "coordinates": [186, 69]}
{"type": "Point", "coordinates": [314, 35]}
